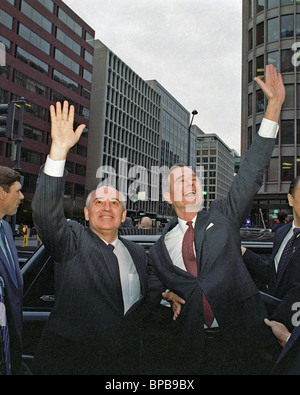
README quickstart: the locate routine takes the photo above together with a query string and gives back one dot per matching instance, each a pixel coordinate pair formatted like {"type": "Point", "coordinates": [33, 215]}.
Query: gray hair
{"type": "Point", "coordinates": [89, 197]}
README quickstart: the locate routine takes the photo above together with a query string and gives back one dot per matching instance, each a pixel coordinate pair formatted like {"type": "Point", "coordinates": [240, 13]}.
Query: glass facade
{"type": "Point", "coordinates": [48, 59]}
{"type": "Point", "coordinates": [280, 20]}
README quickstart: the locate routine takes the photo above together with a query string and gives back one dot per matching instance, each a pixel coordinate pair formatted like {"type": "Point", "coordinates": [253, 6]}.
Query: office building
{"type": "Point", "coordinates": [217, 162]}
{"type": "Point", "coordinates": [124, 135]}
{"type": "Point", "coordinates": [49, 58]}
{"type": "Point", "coordinates": [175, 133]}
{"type": "Point", "coordinates": [271, 29]}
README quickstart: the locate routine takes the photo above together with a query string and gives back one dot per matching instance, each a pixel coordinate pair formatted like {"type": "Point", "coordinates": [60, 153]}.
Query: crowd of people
{"type": "Point", "coordinates": [107, 288]}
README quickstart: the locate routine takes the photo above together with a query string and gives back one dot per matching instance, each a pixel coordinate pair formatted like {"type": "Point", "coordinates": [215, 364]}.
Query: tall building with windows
{"type": "Point", "coordinates": [49, 58]}
{"type": "Point", "coordinates": [271, 29]}
{"type": "Point", "coordinates": [124, 135]}
{"type": "Point", "coordinates": [217, 162]}
{"type": "Point", "coordinates": [175, 132]}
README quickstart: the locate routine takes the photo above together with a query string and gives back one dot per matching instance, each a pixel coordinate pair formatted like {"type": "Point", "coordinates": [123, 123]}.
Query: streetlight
{"type": "Point", "coordinates": [195, 112]}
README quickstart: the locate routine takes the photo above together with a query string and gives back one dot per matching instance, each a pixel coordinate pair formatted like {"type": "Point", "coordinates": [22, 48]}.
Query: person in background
{"type": "Point", "coordinates": [11, 281]}
{"type": "Point", "coordinates": [282, 220]}
{"type": "Point", "coordinates": [281, 272]}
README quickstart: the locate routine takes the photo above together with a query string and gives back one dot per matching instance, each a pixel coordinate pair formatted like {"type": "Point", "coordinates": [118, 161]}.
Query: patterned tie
{"type": "Point", "coordinates": [287, 249]}
{"type": "Point", "coordinates": [8, 254]}
{"type": "Point", "coordinates": [190, 262]}
{"type": "Point", "coordinates": [4, 333]}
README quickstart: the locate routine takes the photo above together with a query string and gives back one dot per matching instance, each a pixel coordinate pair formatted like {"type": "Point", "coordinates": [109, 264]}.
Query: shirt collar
{"type": "Point", "coordinates": [182, 223]}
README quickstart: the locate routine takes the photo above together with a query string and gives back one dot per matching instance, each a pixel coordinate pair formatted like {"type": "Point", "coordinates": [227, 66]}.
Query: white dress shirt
{"type": "Point", "coordinates": [130, 282]}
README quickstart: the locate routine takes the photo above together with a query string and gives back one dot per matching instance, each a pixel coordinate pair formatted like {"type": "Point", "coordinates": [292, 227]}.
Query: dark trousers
{"type": "Point", "coordinates": [57, 355]}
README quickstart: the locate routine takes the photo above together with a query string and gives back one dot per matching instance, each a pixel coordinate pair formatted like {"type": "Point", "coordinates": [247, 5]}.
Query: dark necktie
{"type": "Point", "coordinates": [190, 262]}
{"type": "Point", "coordinates": [4, 333]}
{"type": "Point", "coordinates": [287, 249]}
{"type": "Point", "coordinates": [7, 252]}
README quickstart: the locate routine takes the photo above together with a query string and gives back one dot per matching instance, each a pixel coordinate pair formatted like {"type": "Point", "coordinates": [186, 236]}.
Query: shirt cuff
{"type": "Point", "coordinates": [268, 129]}
{"type": "Point", "coordinates": [54, 168]}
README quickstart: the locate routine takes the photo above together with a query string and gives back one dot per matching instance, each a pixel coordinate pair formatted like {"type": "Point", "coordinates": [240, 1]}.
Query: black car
{"type": "Point", "coordinates": [39, 294]}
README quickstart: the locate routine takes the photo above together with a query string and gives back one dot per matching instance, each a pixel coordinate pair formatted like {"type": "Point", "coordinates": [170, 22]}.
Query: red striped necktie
{"type": "Point", "coordinates": [190, 262]}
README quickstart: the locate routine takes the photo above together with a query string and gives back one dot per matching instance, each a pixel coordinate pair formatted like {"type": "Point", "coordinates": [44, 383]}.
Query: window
{"type": "Point", "coordinates": [33, 133]}
{"type": "Point", "coordinates": [287, 132]}
{"type": "Point", "coordinates": [31, 60]}
{"type": "Point", "coordinates": [36, 16]}
{"type": "Point", "coordinates": [68, 41]}
{"type": "Point", "coordinates": [250, 39]}
{"type": "Point", "coordinates": [287, 26]}
{"type": "Point", "coordinates": [297, 25]}
{"type": "Point", "coordinates": [272, 3]}
{"type": "Point", "coordinates": [273, 30]}
{"type": "Point", "coordinates": [287, 168]}
{"type": "Point", "coordinates": [6, 19]}
{"type": "Point", "coordinates": [64, 17]}
{"type": "Point", "coordinates": [289, 96]}
{"type": "Point", "coordinates": [249, 104]}
{"type": "Point", "coordinates": [30, 84]}
{"type": "Point", "coordinates": [272, 173]}
{"type": "Point", "coordinates": [260, 5]}
{"type": "Point", "coordinates": [34, 39]}
{"type": "Point", "coordinates": [250, 72]}
{"type": "Point", "coordinates": [66, 81]}
{"type": "Point", "coordinates": [286, 61]}
{"type": "Point", "coordinates": [48, 4]}
{"type": "Point", "coordinates": [260, 34]}
{"type": "Point", "coordinates": [260, 67]}
{"type": "Point", "coordinates": [273, 58]}
{"type": "Point", "coordinates": [260, 101]}
{"type": "Point", "coordinates": [66, 61]}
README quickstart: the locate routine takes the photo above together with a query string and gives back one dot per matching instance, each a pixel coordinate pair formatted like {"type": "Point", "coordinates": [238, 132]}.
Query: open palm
{"type": "Point", "coordinates": [62, 133]}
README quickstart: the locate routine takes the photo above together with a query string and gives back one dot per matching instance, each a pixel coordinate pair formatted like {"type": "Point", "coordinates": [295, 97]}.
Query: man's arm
{"type": "Point", "coordinates": [47, 205]}
{"type": "Point", "coordinates": [249, 178]}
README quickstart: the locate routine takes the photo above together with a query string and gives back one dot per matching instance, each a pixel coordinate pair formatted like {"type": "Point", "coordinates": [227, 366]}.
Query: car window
{"type": "Point", "coordinates": [38, 276]}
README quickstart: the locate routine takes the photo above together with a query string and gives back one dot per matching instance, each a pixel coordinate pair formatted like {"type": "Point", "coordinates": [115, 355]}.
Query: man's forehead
{"type": "Point", "coordinates": [107, 192]}
{"type": "Point", "coordinates": [182, 172]}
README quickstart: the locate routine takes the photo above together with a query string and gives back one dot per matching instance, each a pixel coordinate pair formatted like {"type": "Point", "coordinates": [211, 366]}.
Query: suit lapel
{"type": "Point", "coordinates": [296, 245]}
{"type": "Point", "coordinates": [109, 259]}
{"type": "Point", "coordinates": [14, 254]}
{"type": "Point", "coordinates": [200, 226]}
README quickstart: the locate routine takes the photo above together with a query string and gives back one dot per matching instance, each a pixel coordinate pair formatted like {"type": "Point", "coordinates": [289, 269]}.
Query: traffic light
{"type": "Point", "coordinates": [7, 115]}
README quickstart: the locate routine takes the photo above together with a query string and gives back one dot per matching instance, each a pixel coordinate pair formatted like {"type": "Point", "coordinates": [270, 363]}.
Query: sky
{"type": "Point", "coordinates": [191, 47]}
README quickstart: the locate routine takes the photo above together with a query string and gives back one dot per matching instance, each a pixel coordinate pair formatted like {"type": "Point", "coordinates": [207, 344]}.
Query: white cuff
{"type": "Point", "coordinates": [54, 168]}
{"type": "Point", "coordinates": [268, 129]}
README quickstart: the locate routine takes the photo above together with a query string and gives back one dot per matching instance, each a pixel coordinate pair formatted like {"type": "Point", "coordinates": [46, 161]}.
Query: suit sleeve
{"type": "Point", "coordinates": [255, 264]}
{"type": "Point", "coordinates": [49, 218]}
{"type": "Point", "coordinates": [237, 205]}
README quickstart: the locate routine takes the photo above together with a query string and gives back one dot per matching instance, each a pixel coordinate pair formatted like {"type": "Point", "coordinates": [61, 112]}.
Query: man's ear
{"type": "Point", "coordinates": [290, 199]}
{"type": "Point", "coordinates": [124, 215]}
{"type": "Point", "coordinates": [86, 213]}
{"type": "Point", "coordinates": [2, 193]}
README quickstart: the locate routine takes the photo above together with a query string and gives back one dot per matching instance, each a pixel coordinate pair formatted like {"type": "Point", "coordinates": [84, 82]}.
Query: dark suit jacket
{"type": "Point", "coordinates": [13, 301]}
{"type": "Point", "coordinates": [284, 286]}
{"type": "Point", "coordinates": [288, 362]}
{"type": "Point", "coordinates": [89, 304]}
{"type": "Point", "coordinates": [222, 275]}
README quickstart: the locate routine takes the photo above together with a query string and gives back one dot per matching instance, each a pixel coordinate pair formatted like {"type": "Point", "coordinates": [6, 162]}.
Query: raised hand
{"type": "Point", "coordinates": [274, 90]}
{"type": "Point", "coordinates": [62, 133]}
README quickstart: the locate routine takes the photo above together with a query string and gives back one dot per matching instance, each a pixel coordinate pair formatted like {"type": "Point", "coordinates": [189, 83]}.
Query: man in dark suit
{"type": "Point", "coordinates": [10, 275]}
{"type": "Point", "coordinates": [209, 274]}
{"type": "Point", "coordinates": [281, 272]}
{"type": "Point", "coordinates": [288, 362]}
{"type": "Point", "coordinates": [100, 278]}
